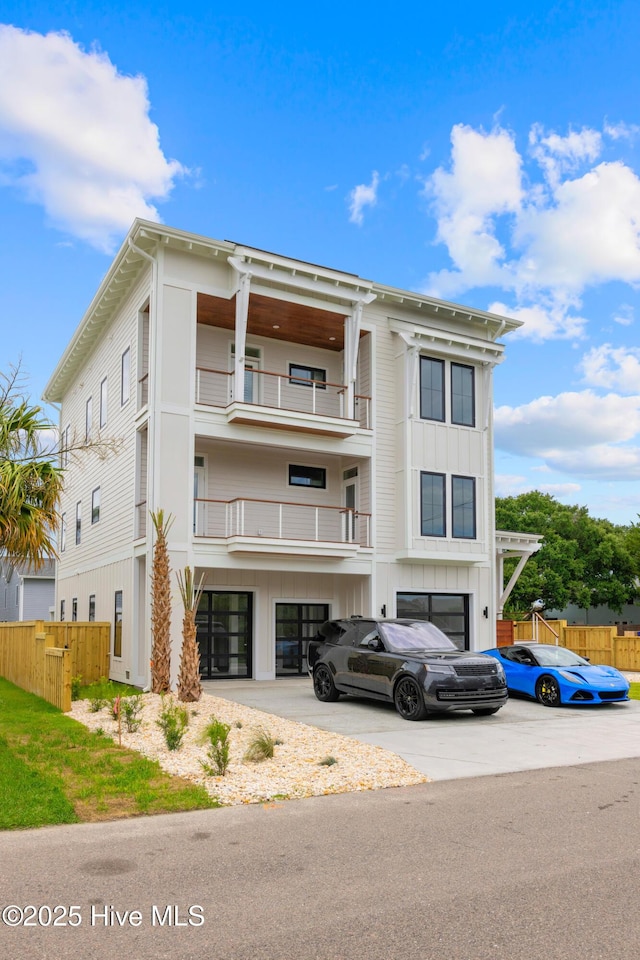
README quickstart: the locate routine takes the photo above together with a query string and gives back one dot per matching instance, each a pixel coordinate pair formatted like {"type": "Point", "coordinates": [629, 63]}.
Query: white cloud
{"type": "Point", "coordinates": [363, 196]}
{"type": "Point", "coordinates": [545, 241]}
{"type": "Point", "coordinates": [76, 137]}
{"type": "Point", "coordinates": [624, 315]}
{"type": "Point", "coordinates": [612, 368]}
{"type": "Point", "coordinates": [560, 489]}
{"type": "Point", "coordinates": [621, 131]}
{"type": "Point", "coordinates": [580, 433]}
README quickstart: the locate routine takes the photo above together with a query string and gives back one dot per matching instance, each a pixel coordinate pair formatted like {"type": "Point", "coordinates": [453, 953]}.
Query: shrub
{"type": "Point", "coordinates": [217, 734]}
{"type": "Point", "coordinates": [173, 722]}
{"type": "Point", "coordinates": [131, 708]}
{"type": "Point", "coordinates": [327, 761]}
{"type": "Point", "coordinates": [261, 747]}
{"type": "Point", "coordinates": [76, 683]}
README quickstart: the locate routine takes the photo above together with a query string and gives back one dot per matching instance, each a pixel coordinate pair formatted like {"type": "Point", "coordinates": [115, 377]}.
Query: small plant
{"type": "Point", "coordinates": [99, 732]}
{"type": "Point", "coordinates": [327, 761]}
{"type": "Point", "coordinates": [131, 708]}
{"type": "Point", "coordinates": [76, 683]}
{"type": "Point", "coordinates": [173, 722]}
{"type": "Point", "coordinates": [216, 733]}
{"type": "Point", "coordinates": [261, 747]}
{"type": "Point", "coordinates": [238, 724]}
{"type": "Point", "coordinates": [99, 694]}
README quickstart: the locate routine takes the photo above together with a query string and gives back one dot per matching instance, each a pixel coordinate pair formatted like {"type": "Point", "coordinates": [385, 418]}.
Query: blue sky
{"type": "Point", "coordinates": [485, 153]}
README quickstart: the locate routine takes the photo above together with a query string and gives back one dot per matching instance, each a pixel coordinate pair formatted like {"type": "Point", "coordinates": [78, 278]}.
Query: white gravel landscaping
{"type": "Point", "coordinates": [294, 771]}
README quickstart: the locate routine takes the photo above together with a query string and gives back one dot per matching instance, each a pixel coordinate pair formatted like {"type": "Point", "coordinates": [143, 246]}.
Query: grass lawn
{"type": "Point", "coordinates": [634, 691]}
{"type": "Point", "coordinates": [54, 770]}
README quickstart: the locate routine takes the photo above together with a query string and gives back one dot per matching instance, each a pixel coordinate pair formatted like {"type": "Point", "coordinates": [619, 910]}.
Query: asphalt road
{"type": "Point", "coordinates": [535, 863]}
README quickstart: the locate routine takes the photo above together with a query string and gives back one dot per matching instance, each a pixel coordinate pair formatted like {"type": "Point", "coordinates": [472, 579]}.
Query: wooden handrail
{"type": "Point", "coordinates": [285, 503]}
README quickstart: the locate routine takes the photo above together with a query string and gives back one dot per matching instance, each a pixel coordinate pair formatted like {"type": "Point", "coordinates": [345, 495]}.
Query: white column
{"type": "Point", "coordinates": [242, 311]}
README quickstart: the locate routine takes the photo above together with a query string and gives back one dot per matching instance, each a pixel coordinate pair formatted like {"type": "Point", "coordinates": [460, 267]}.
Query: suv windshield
{"type": "Point", "coordinates": [417, 635]}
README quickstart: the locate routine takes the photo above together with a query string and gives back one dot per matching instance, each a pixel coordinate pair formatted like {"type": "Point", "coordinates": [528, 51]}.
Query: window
{"type": "Point", "coordinates": [125, 382]}
{"type": "Point", "coordinates": [302, 376]}
{"type": "Point", "coordinates": [432, 505]}
{"type": "Point", "coordinates": [431, 389]}
{"type": "Point", "coordinates": [307, 476]}
{"type": "Point", "coordinates": [74, 609]}
{"type": "Point", "coordinates": [103, 403]}
{"type": "Point", "coordinates": [64, 447]}
{"type": "Point", "coordinates": [92, 608]}
{"type": "Point", "coordinates": [95, 505]}
{"type": "Point", "coordinates": [462, 395]}
{"type": "Point", "coordinates": [448, 611]}
{"type": "Point", "coordinates": [78, 521]}
{"type": "Point", "coordinates": [88, 417]}
{"type": "Point", "coordinates": [63, 532]}
{"type": "Point", "coordinates": [463, 502]}
{"type": "Point", "coordinates": [62, 610]}
{"type": "Point", "coordinates": [117, 624]}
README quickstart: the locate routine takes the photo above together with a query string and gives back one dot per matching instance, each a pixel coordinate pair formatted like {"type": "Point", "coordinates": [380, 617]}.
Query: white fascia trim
{"type": "Point", "coordinates": [297, 276]}
{"type": "Point", "coordinates": [447, 344]}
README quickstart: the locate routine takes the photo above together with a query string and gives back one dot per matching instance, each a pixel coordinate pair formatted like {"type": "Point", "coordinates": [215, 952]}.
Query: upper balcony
{"type": "Point", "coordinates": [287, 365]}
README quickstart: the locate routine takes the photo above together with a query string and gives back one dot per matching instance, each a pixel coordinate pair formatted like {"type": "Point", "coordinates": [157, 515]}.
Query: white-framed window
{"type": "Point", "coordinates": [74, 609]}
{"type": "Point", "coordinates": [463, 403]}
{"type": "Point", "coordinates": [125, 377]}
{"type": "Point", "coordinates": [303, 376]}
{"type": "Point", "coordinates": [432, 402]}
{"type": "Point", "coordinates": [117, 624]}
{"type": "Point", "coordinates": [95, 505]}
{"type": "Point", "coordinates": [459, 407]}
{"type": "Point", "coordinates": [63, 533]}
{"type": "Point", "coordinates": [62, 604]}
{"type": "Point", "coordinates": [88, 419]}
{"type": "Point", "coordinates": [92, 608]}
{"type": "Point", "coordinates": [78, 521]}
{"type": "Point", "coordinates": [103, 403]}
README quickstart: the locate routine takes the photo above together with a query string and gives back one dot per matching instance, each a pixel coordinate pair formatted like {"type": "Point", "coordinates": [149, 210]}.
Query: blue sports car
{"type": "Point", "coordinates": [554, 675]}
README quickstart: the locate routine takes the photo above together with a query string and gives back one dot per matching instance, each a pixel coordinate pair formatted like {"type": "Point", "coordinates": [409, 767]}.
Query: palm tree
{"type": "Point", "coordinates": [161, 605]}
{"type": "Point", "coordinates": [189, 686]}
{"type": "Point", "coordinates": [30, 480]}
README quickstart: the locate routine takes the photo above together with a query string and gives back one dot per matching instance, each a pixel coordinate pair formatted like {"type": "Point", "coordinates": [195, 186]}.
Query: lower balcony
{"type": "Point", "coordinates": [282, 528]}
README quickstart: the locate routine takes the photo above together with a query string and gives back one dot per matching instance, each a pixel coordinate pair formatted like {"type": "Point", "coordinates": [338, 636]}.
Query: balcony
{"type": "Point", "coordinates": [282, 528]}
{"type": "Point", "coordinates": [281, 401]}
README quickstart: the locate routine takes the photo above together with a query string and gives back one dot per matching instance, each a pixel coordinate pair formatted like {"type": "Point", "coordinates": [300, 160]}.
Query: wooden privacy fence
{"type": "Point", "coordinates": [598, 644]}
{"type": "Point", "coordinates": [42, 658]}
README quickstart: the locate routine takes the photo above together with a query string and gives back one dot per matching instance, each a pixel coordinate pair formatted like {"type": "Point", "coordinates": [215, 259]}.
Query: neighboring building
{"type": "Point", "coordinates": [324, 444]}
{"type": "Point", "coordinates": [25, 593]}
{"type": "Point", "coordinates": [600, 616]}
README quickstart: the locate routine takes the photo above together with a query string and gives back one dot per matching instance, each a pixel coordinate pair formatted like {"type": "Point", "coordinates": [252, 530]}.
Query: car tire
{"type": "Point", "coordinates": [408, 699]}
{"type": "Point", "coordinates": [548, 691]}
{"type": "Point", "coordinates": [323, 685]}
{"type": "Point", "coordinates": [485, 711]}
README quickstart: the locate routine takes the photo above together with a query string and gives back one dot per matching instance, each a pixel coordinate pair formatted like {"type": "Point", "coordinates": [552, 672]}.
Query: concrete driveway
{"type": "Point", "coordinates": [523, 736]}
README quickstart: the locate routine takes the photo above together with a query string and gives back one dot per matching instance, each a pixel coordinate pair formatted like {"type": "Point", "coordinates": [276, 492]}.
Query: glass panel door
{"type": "Point", "coordinates": [296, 624]}
{"type": "Point", "coordinates": [224, 623]}
{"type": "Point", "coordinates": [448, 611]}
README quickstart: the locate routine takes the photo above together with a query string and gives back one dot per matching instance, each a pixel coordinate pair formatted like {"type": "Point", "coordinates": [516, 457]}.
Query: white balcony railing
{"type": "Point", "coordinates": [280, 520]}
{"type": "Point", "coordinates": [282, 391]}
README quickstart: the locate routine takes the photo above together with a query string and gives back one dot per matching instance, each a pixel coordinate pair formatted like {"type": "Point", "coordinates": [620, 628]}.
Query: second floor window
{"type": "Point", "coordinates": [95, 505]}
{"type": "Point", "coordinates": [88, 419]}
{"type": "Point", "coordinates": [78, 521]}
{"type": "Point", "coordinates": [302, 376]}
{"type": "Point", "coordinates": [307, 476]}
{"type": "Point", "coordinates": [125, 384]}
{"type": "Point", "coordinates": [432, 505]}
{"type": "Point", "coordinates": [103, 403]}
{"type": "Point", "coordinates": [463, 507]}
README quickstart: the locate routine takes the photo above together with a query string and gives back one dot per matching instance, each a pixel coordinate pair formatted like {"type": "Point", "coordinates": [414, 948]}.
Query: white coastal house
{"type": "Point", "coordinates": [324, 444]}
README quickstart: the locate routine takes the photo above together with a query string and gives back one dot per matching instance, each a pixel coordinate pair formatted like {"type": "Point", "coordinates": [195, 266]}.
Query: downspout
{"type": "Point", "coordinates": [152, 448]}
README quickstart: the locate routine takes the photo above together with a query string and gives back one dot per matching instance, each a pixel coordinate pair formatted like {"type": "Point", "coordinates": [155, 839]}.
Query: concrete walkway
{"type": "Point", "coordinates": [523, 736]}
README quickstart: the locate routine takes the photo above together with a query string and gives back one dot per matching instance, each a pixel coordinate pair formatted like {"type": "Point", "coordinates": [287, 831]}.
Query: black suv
{"type": "Point", "coordinates": [408, 662]}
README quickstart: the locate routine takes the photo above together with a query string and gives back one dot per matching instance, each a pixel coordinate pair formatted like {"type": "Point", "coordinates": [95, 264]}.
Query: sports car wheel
{"type": "Point", "coordinates": [485, 711]}
{"type": "Point", "coordinates": [407, 697]}
{"type": "Point", "coordinates": [548, 691]}
{"type": "Point", "coordinates": [323, 685]}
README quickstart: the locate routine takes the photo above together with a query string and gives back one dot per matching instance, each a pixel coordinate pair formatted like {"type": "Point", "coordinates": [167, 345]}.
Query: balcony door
{"type": "Point", "coordinates": [350, 502]}
{"type": "Point", "coordinates": [252, 362]}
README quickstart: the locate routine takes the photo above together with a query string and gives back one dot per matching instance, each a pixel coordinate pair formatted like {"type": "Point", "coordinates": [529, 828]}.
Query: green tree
{"type": "Point", "coordinates": [583, 560]}
{"type": "Point", "coordinates": [30, 478]}
{"type": "Point", "coordinates": [161, 605]}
